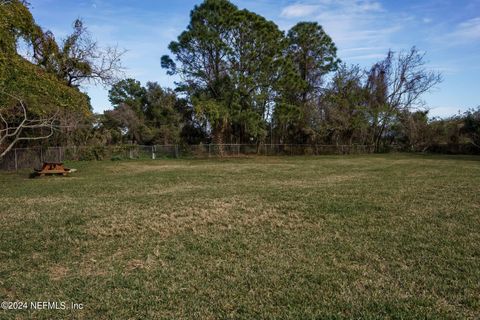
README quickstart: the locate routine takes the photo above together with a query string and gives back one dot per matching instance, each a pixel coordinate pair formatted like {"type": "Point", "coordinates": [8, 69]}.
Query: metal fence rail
{"type": "Point", "coordinates": [22, 158]}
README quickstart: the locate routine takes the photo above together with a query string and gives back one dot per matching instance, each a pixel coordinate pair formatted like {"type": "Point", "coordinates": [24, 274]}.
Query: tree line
{"type": "Point", "coordinates": [240, 80]}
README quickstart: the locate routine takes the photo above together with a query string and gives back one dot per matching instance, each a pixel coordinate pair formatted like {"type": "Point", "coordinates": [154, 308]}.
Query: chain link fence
{"type": "Point", "coordinates": [23, 158]}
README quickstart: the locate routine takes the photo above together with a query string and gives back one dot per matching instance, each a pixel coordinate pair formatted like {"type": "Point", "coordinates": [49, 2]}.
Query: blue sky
{"type": "Point", "coordinates": [364, 30]}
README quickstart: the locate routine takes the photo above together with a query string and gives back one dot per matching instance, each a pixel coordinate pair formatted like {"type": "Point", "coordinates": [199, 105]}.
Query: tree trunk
{"type": "Point", "coordinates": [218, 136]}
{"type": "Point", "coordinates": [378, 138]}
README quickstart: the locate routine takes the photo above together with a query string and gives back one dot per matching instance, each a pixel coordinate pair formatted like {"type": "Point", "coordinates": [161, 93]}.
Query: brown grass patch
{"type": "Point", "coordinates": [58, 272]}
{"type": "Point", "coordinates": [196, 217]}
{"type": "Point", "coordinates": [136, 167]}
{"type": "Point", "coordinates": [321, 180]}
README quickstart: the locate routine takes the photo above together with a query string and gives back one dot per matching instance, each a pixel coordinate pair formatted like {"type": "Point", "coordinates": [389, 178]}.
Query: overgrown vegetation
{"type": "Point", "coordinates": [45, 85]}
{"type": "Point", "coordinates": [379, 236]}
{"type": "Point", "coordinates": [242, 80]}
{"type": "Point", "coordinates": [30, 97]}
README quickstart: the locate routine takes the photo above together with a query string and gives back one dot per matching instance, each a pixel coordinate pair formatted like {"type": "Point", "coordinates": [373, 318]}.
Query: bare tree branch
{"type": "Point", "coordinates": [78, 59]}
{"type": "Point", "coordinates": [11, 134]}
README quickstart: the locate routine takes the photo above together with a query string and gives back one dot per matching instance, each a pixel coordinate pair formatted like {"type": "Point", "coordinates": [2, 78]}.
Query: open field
{"type": "Point", "coordinates": [377, 236]}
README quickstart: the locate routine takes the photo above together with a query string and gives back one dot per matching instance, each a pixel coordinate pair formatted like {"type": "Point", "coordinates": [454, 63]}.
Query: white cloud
{"type": "Point", "coordinates": [468, 30]}
{"type": "Point", "coordinates": [445, 69]}
{"type": "Point", "coordinates": [360, 49]}
{"type": "Point", "coordinates": [463, 33]}
{"type": "Point", "coordinates": [360, 25]}
{"type": "Point", "coordinates": [298, 11]}
{"type": "Point", "coordinates": [372, 56]}
{"type": "Point", "coordinates": [363, 30]}
{"type": "Point", "coordinates": [366, 6]}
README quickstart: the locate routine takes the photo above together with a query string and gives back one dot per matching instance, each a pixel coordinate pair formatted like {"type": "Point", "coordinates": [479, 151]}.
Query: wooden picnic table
{"type": "Point", "coordinates": [52, 168]}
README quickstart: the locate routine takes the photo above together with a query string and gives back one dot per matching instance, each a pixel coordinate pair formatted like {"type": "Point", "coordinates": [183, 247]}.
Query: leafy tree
{"type": "Point", "coordinates": [253, 67]}
{"type": "Point", "coordinates": [201, 52]}
{"type": "Point", "coordinates": [193, 128]}
{"type": "Point", "coordinates": [288, 114]}
{"type": "Point", "coordinates": [413, 131]}
{"type": "Point", "coordinates": [19, 78]}
{"type": "Point", "coordinates": [471, 126]}
{"type": "Point", "coordinates": [345, 106]}
{"type": "Point", "coordinates": [27, 91]}
{"type": "Point", "coordinates": [125, 122]}
{"type": "Point", "coordinates": [162, 114]}
{"type": "Point", "coordinates": [158, 113]}
{"type": "Point", "coordinates": [77, 59]}
{"type": "Point", "coordinates": [447, 130]}
{"type": "Point", "coordinates": [129, 92]}
{"type": "Point", "coordinates": [312, 54]}
{"type": "Point", "coordinates": [227, 59]}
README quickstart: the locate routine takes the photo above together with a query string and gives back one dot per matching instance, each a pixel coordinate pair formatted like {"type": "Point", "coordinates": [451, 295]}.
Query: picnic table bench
{"type": "Point", "coordinates": [52, 168]}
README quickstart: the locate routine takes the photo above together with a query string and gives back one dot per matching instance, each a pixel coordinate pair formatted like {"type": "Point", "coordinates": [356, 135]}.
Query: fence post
{"type": "Point", "coordinates": [176, 151]}
{"type": "Point", "coordinates": [209, 150]}
{"type": "Point", "coordinates": [16, 162]}
{"type": "Point", "coordinates": [153, 152]}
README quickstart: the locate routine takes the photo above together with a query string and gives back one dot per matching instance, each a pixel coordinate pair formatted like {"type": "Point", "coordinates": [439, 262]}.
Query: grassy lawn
{"type": "Point", "coordinates": [377, 236]}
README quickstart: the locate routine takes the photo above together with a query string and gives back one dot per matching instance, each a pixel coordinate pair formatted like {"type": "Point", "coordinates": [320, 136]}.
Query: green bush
{"type": "Point", "coordinates": [92, 153]}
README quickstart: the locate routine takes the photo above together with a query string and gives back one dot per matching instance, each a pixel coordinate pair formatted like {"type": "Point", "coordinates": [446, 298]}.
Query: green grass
{"type": "Point", "coordinates": [377, 236]}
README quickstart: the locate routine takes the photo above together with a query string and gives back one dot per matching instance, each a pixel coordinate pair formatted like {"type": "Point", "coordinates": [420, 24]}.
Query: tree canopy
{"type": "Point", "coordinates": [241, 80]}
{"type": "Point", "coordinates": [232, 63]}
{"type": "Point", "coordinates": [37, 88]}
